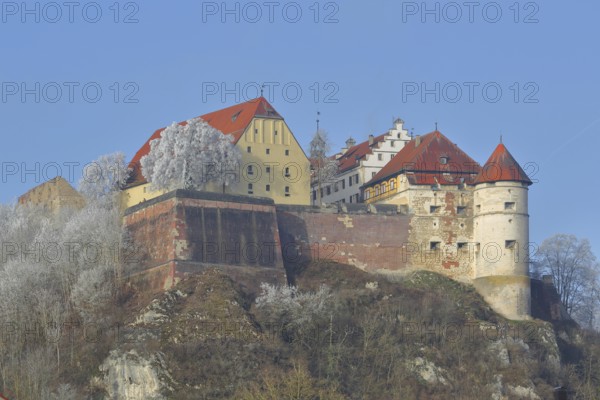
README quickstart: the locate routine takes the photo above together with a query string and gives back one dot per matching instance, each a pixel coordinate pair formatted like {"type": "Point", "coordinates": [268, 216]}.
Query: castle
{"type": "Point", "coordinates": [429, 206]}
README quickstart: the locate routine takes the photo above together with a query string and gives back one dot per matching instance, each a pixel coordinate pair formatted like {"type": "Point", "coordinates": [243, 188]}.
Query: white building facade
{"type": "Point", "coordinates": [358, 163]}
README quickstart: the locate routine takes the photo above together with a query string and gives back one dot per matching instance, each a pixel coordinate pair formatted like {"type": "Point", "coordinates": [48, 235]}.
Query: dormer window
{"type": "Point", "coordinates": [443, 160]}
{"type": "Point", "coordinates": [234, 117]}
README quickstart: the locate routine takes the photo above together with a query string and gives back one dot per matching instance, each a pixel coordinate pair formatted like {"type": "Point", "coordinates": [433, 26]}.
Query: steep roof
{"type": "Point", "coordinates": [352, 157]}
{"type": "Point", "coordinates": [502, 166]}
{"type": "Point", "coordinates": [231, 121]}
{"type": "Point", "coordinates": [422, 162]}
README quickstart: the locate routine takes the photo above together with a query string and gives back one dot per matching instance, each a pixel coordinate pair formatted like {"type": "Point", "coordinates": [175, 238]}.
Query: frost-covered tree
{"type": "Point", "coordinates": [575, 272]}
{"type": "Point", "coordinates": [190, 155]}
{"type": "Point", "coordinates": [323, 167]}
{"type": "Point", "coordinates": [103, 178]}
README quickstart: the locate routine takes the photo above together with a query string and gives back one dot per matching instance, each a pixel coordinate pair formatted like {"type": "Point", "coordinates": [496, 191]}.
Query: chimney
{"type": "Point", "coordinates": [371, 140]}
{"type": "Point", "coordinates": [417, 140]}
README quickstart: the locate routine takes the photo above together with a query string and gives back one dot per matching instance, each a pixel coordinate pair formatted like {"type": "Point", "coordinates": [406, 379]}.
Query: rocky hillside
{"type": "Point", "coordinates": [343, 334]}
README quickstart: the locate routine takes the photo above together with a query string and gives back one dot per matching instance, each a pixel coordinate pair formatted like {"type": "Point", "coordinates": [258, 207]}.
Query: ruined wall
{"type": "Point", "coordinates": [441, 231]}
{"type": "Point", "coordinates": [181, 232]}
{"type": "Point", "coordinates": [368, 237]}
{"type": "Point", "coordinates": [54, 194]}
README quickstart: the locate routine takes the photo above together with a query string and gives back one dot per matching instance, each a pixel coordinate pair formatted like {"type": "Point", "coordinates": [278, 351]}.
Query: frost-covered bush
{"type": "Point", "coordinates": [287, 306]}
{"type": "Point", "coordinates": [103, 178]}
{"type": "Point", "coordinates": [188, 156]}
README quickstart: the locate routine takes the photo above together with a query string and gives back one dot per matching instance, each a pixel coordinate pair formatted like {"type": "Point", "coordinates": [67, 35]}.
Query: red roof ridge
{"type": "Point", "coordinates": [350, 157]}
{"type": "Point", "coordinates": [425, 158]}
{"type": "Point", "coordinates": [502, 166]}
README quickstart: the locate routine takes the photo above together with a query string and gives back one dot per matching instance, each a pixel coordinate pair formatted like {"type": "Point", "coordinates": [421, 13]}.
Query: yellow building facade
{"type": "Point", "coordinates": [273, 164]}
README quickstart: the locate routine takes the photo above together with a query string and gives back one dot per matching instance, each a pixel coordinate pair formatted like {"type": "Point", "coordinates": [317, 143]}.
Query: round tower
{"type": "Point", "coordinates": [501, 235]}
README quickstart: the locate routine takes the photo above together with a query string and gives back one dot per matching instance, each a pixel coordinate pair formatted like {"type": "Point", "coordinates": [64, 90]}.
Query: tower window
{"type": "Point", "coordinates": [434, 245]}
{"type": "Point", "coordinates": [434, 209]}
{"type": "Point", "coordinates": [287, 172]}
{"type": "Point", "coordinates": [250, 189]}
{"type": "Point", "coordinates": [250, 170]}
{"type": "Point", "coordinates": [287, 152]}
{"type": "Point", "coordinates": [461, 210]}
{"type": "Point", "coordinates": [255, 130]}
{"type": "Point", "coordinates": [287, 191]}
{"type": "Point", "coordinates": [268, 170]}
{"type": "Point", "coordinates": [268, 151]}
{"type": "Point", "coordinates": [268, 188]}
{"type": "Point", "coordinates": [509, 205]}
{"type": "Point", "coordinates": [510, 244]}
{"type": "Point", "coordinates": [249, 149]}
{"type": "Point", "coordinates": [275, 132]}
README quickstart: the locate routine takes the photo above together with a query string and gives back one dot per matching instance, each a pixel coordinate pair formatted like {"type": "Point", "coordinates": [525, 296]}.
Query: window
{"type": "Point", "coordinates": [461, 210]}
{"type": "Point", "coordinates": [287, 172]}
{"type": "Point", "coordinates": [380, 157]}
{"type": "Point", "coordinates": [434, 209]}
{"type": "Point", "coordinates": [392, 156]}
{"type": "Point", "coordinates": [393, 143]}
{"type": "Point", "coordinates": [356, 196]}
{"type": "Point", "coordinates": [392, 184]}
{"type": "Point", "coordinates": [343, 200]}
{"type": "Point", "coordinates": [356, 178]}
{"type": "Point", "coordinates": [335, 187]}
{"type": "Point", "coordinates": [287, 152]}
{"type": "Point", "coordinates": [249, 149]}
{"type": "Point", "coordinates": [509, 205]}
{"type": "Point", "coordinates": [510, 244]}
{"type": "Point", "coordinates": [287, 191]}
{"type": "Point", "coordinates": [268, 151]}
{"type": "Point", "coordinates": [250, 189]}
{"type": "Point", "coordinates": [461, 245]}
{"type": "Point", "coordinates": [250, 169]}
{"type": "Point", "coordinates": [255, 131]}
{"type": "Point", "coordinates": [383, 187]}
{"type": "Point", "coordinates": [314, 195]}
{"type": "Point", "coordinates": [275, 132]}
{"type": "Point", "coordinates": [268, 169]}
{"type": "Point", "coordinates": [377, 191]}
{"type": "Point", "coordinates": [321, 191]}
{"type": "Point", "coordinates": [343, 184]}
{"type": "Point", "coordinates": [268, 188]}
{"type": "Point", "coordinates": [367, 194]}
{"type": "Point", "coordinates": [328, 190]}
{"type": "Point", "coordinates": [478, 207]}
{"type": "Point", "coordinates": [349, 181]}
{"type": "Point", "coordinates": [373, 174]}
{"type": "Point", "coordinates": [443, 160]}
{"type": "Point", "coordinates": [350, 199]}
{"type": "Point", "coordinates": [434, 245]}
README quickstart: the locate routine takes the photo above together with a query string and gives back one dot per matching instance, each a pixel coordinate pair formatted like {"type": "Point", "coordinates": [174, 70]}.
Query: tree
{"type": "Point", "coordinates": [188, 156]}
{"type": "Point", "coordinates": [103, 178]}
{"type": "Point", "coordinates": [324, 168]}
{"type": "Point", "coordinates": [575, 272]}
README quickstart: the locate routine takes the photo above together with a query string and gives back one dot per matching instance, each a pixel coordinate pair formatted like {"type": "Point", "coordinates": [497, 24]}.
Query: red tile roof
{"type": "Point", "coordinates": [231, 121]}
{"type": "Point", "coordinates": [422, 163]}
{"type": "Point", "coordinates": [502, 166]}
{"type": "Point", "coordinates": [352, 157]}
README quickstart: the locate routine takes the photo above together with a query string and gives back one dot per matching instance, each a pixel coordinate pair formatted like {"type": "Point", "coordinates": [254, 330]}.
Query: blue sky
{"type": "Point", "coordinates": [366, 58]}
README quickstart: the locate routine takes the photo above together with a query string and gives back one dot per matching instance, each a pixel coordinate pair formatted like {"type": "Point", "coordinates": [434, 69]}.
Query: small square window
{"type": "Point", "coordinates": [510, 244]}
{"type": "Point", "coordinates": [249, 149]}
{"type": "Point", "coordinates": [268, 151]}
{"type": "Point", "coordinates": [434, 245]}
{"type": "Point", "coordinates": [461, 210]}
{"type": "Point", "coordinates": [268, 188]}
{"type": "Point", "coordinates": [434, 209]}
{"type": "Point", "coordinates": [509, 205]}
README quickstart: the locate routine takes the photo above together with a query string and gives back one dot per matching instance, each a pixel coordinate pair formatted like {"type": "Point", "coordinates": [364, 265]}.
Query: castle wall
{"type": "Point", "coordinates": [368, 238]}
{"type": "Point", "coordinates": [181, 232]}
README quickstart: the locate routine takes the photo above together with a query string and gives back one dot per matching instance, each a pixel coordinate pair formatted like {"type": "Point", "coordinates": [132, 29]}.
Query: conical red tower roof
{"type": "Point", "coordinates": [502, 166]}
